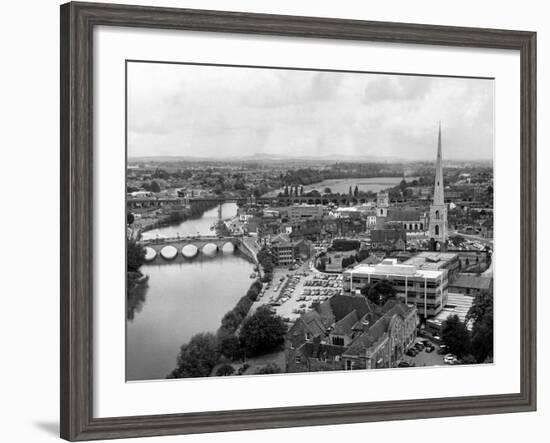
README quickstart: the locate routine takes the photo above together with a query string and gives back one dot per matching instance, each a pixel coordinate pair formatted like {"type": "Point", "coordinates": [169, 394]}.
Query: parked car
{"type": "Point", "coordinates": [404, 364]}
{"type": "Point", "coordinates": [430, 348]}
{"type": "Point", "coordinates": [442, 349]}
{"type": "Point", "coordinates": [411, 352]}
{"type": "Point", "coordinates": [450, 359]}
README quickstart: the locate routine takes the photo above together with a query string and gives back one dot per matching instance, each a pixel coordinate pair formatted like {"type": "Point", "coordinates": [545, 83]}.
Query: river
{"type": "Point", "coordinates": [341, 185]}
{"type": "Point", "coordinates": [182, 299]}
{"type": "Point", "coordinates": [196, 226]}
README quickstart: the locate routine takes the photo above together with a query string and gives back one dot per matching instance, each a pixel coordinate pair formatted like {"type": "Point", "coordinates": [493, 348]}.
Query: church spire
{"type": "Point", "coordinates": [438, 185]}
{"type": "Point", "coordinates": [438, 210]}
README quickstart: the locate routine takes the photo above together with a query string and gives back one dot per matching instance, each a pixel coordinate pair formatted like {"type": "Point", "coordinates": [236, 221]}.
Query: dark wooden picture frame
{"type": "Point", "coordinates": [77, 23]}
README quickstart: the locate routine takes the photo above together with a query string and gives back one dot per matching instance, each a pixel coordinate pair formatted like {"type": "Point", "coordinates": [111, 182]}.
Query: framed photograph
{"type": "Point", "coordinates": [272, 221]}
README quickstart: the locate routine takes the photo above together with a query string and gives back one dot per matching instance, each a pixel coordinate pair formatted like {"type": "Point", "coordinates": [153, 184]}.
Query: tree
{"type": "Point", "coordinates": [265, 258]}
{"type": "Point", "coordinates": [356, 191]}
{"type": "Point", "coordinates": [231, 321]}
{"type": "Point", "coordinates": [130, 218]}
{"type": "Point", "coordinates": [135, 256]}
{"type": "Point", "coordinates": [225, 370]}
{"type": "Point", "coordinates": [349, 191]}
{"type": "Point", "coordinates": [243, 306]}
{"type": "Point", "coordinates": [481, 307]}
{"type": "Point", "coordinates": [458, 240]}
{"type": "Point", "coordinates": [252, 293]}
{"type": "Point", "coordinates": [380, 292]}
{"type": "Point", "coordinates": [230, 346]}
{"type": "Point", "coordinates": [327, 190]}
{"type": "Point", "coordinates": [481, 314]}
{"type": "Point", "coordinates": [301, 190]}
{"type": "Point", "coordinates": [155, 187]}
{"type": "Point", "coordinates": [482, 339]}
{"type": "Point", "coordinates": [348, 261]}
{"type": "Point", "coordinates": [362, 254]}
{"type": "Point", "coordinates": [270, 368]}
{"type": "Point", "coordinates": [262, 332]}
{"type": "Point", "coordinates": [198, 357]}
{"type": "Point", "coordinates": [455, 336]}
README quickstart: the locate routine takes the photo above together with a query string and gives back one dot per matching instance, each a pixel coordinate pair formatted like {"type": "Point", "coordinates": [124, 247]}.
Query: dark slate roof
{"type": "Point", "coordinates": [396, 307]}
{"type": "Point", "coordinates": [342, 305]}
{"type": "Point", "coordinates": [360, 345]}
{"type": "Point", "coordinates": [404, 215]}
{"type": "Point", "coordinates": [345, 325]}
{"type": "Point", "coordinates": [472, 282]}
{"type": "Point", "coordinates": [384, 235]}
{"type": "Point", "coordinates": [325, 313]}
{"type": "Point", "coordinates": [318, 350]}
{"type": "Point", "coordinates": [310, 322]}
{"type": "Point", "coordinates": [365, 322]}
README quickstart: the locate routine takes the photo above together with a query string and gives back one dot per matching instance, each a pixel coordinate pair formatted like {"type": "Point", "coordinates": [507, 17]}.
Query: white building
{"type": "Point", "coordinates": [425, 288]}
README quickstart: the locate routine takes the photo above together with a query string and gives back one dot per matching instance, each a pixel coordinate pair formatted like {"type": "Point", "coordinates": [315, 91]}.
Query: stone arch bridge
{"type": "Point", "coordinates": [190, 247]}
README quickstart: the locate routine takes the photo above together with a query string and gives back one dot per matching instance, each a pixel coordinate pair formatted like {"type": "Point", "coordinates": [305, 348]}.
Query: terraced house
{"type": "Point", "coordinates": [348, 332]}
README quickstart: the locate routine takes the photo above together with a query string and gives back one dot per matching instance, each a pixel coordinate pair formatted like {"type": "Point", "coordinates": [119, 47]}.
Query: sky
{"type": "Point", "coordinates": [215, 112]}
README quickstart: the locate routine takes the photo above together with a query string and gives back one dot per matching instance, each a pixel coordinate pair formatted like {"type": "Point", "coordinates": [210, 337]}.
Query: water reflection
{"type": "Point", "coordinates": [181, 299]}
{"type": "Point", "coordinates": [136, 297]}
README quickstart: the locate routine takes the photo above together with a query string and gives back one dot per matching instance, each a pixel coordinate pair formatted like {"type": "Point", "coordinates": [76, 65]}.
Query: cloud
{"type": "Point", "coordinates": [229, 111]}
{"type": "Point", "coordinates": [392, 88]}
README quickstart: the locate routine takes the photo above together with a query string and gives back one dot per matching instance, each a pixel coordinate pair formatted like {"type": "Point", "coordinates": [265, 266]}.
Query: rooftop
{"type": "Point", "coordinates": [397, 270]}
{"type": "Point", "coordinates": [472, 282]}
{"type": "Point", "coordinates": [457, 304]}
{"type": "Point", "coordinates": [431, 260]}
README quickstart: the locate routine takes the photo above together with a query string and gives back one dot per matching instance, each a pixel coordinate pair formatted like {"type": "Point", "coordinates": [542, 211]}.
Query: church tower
{"type": "Point", "coordinates": [382, 204]}
{"type": "Point", "coordinates": [438, 210]}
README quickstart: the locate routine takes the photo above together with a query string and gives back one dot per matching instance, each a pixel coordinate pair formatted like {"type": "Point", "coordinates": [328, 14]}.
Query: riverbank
{"type": "Point", "coordinates": [176, 217]}
{"type": "Point", "coordinates": [343, 184]}
{"type": "Point", "coordinates": [225, 340]}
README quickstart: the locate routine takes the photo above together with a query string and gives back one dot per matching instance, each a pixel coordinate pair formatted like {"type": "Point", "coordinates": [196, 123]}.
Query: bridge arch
{"type": "Point", "coordinates": [228, 248]}
{"type": "Point", "coordinates": [210, 249]}
{"type": "Point", "coordinates": [169, 252]}
{"type": "Point", "coordinates": [189, 251]}
{"type": "Point", "coordinates": [150, 254]}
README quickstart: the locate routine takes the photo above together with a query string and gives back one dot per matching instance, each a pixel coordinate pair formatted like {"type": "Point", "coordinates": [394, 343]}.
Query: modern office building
{"type": "Point", "coordinates": [425, 288]}
{"type": "Point", "coordinates": [428, 260]}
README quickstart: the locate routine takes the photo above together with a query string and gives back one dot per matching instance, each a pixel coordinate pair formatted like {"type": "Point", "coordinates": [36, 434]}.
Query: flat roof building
{"type": "Point", "coordinates": [436, 261]}
{"type": "Point", "coordinates": [425, 288]}
{"type": "Point", "coordinates": [297, 213]}
{"type": "Point", "coordinates": [471, 284]}
{"type": "Point", "coordinates": [457, 304]}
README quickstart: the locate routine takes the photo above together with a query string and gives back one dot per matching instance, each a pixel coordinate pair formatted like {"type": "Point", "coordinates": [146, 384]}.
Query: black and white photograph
{"type": "Point", "coordinates": [287, 220]}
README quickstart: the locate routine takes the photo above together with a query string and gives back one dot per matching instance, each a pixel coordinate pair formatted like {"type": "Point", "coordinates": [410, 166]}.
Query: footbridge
{"type": "Point", "coordinates": [170, 248]}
